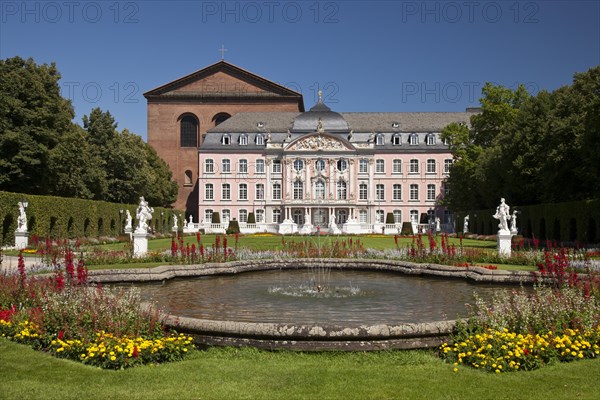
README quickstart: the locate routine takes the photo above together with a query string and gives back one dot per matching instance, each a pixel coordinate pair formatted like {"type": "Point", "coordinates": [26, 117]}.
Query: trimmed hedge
{"type": "Point", "coordinates": [575, 221]}
{"type": "Point", "coordinates": [61, 217]}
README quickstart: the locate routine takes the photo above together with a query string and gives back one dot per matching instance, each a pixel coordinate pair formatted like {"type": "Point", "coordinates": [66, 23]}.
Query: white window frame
{"type": "Point", "coordinates": [225, 166]}
{"type": "Point", "coordinates": [260, 191]}
{"type": "Point", "coordinates": [209, 191]}
{"type": "Point", "coordinates": [413, 139]}
{"type": "Point", "coordinates": [397, 166]}
{"type": "Point", "coordinates": [209, 166]}
{"type": "Point", "coordinates": [243, 215]}
{"type": "Point", "coordinates": [380, 166]}
{"type": "Point", "coordinates": [225, 191]}
{"type": "Point", "coordinates": [259, 166]}
{"type": "Point", "coordinates": [243, 191]}
{"type": "Point", "coordinates": [431, 166]}
{"type": "Point", "coordinates": [397, 191]}
{"type": "Point", "coordinates": [363, 191]}
{"type": "Point", "coordinates": [243, 166]}
{"type": "Point", "coordinates": [414, 166]}
{"type": "Point", "coordinates": [276, 191]}
{"type": "Point", "coordinates": [431, 192]}
{"type": "Point", "coordinates": [243, 139]}
{"type": "Point", "coordinates": [363, 166]}
{"type": "Point", "coordinates": [414, 192]}
{"type": "Point", "coordinates": [276, 166]}
{"type": "Point", "coordinates": [379, 139]}
{"type": "Point", "coordinates": [380, 192]}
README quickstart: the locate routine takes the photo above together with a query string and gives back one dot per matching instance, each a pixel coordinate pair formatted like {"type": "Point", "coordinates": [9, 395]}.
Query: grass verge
{"type": "Point", "coordinates": [252, 374]}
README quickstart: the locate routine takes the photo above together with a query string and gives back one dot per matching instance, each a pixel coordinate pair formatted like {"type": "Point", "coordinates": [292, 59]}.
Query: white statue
{"type": "Point", "coordinates": [503, 215]}
{"type": "Point", "coordinates": [143, 214]}
{"type": "Point", "coordinates": [513, 223]}
{"type": "Point", "coordinates": [21, 219]}
{"type": "Point", "coordinates": [307, 218]}
{"type": "Point", "coordinates": [438, 226]}
{"type": "Point", "coordinates": [191, 220]}
{"type": "Point", "coordinates": [466, 224]}
{"type": "Point", "coordinates": [128, 221]}
{"type": "Point", "coordinates": [175, 222]}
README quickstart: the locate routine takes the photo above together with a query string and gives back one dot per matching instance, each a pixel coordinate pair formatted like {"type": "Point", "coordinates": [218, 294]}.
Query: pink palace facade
{"type": "Point", "coordinates": [325, 171]}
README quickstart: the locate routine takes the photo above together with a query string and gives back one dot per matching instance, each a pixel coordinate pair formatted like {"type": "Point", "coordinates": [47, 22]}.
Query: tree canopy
{"type": "Point", "coordinates": [43, 152]}
{"type": "Point", "coordinates": [529, 149]}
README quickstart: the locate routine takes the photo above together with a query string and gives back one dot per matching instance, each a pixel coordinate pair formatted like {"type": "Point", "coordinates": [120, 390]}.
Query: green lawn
{"type": "Point", "coordinates": [378, 242]}
{"type": "Point", "coordinates": [253, 374]}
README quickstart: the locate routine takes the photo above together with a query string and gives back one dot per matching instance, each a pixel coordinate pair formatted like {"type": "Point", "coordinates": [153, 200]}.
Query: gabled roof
{"type": "Point", "coordinates": [223, 66]}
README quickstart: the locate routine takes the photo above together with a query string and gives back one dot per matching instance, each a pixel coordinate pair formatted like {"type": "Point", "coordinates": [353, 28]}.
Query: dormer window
{"type": "Point", "coordinates": [243, 139]}
{"type": "Point", "coordinates": [396, 139]}
{"type": "Point", "coordinates": [430, 139]}
{"type": "Point", "coordinates": [226, 139]}
{"type": "Point", "coordinates": [379, 139]}
{"type": "Point", "coordinates": [260, 124]}
{"type": "Point", "coordinates": [395, 125]}
{"type": "Point", "coordinates": [413, 139]}
{"type": "Point", "coordinates": [260, 139]}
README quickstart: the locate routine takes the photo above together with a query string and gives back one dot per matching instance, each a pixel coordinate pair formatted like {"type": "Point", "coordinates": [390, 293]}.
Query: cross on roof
{"type": "Point", "coordinates": [222, 50]}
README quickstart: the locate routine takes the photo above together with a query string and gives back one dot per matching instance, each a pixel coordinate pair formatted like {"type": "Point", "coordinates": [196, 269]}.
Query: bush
{"type": "Point", "coordinates": [389, 219]}
{"type": "Point", "coordinates": [406, 229]}
{"type": "Point", "coordinates": [234, 227]}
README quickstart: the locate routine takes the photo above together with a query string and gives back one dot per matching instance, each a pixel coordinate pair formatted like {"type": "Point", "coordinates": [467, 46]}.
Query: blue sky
{"type": "Point", "coordinates": [365, 56]}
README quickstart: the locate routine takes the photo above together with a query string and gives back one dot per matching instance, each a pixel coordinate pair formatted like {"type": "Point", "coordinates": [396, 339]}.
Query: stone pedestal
{"type": "Point", "coordinates": [140, 244]}
{"type": "Point", "coordinates": [504, 243]}
{"type": "Point", "coordinates": [351, 227]}
{"type": "Point", "coordinates": [21, 240]}
{"type": "Point", "coordinates": [287, 227]}
{"type": "Point", "coordinates": [306, 229]}
{"type": "Point", "coordinates": [334, 230]}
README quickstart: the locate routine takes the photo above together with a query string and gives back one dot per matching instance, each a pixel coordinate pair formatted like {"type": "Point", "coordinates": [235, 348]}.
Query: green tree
{"type": "Point", "coordinates": [33, 119]}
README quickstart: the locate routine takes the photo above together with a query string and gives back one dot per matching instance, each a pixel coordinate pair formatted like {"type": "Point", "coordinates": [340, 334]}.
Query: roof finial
{"type": "Point", "coordinates": [222, 50]}
{"type": "Point", "coordinates": [320, 94]}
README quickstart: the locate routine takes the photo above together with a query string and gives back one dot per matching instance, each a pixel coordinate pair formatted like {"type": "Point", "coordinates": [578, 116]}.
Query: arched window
{"type": "Point", "coordinates": [396, 139]}
{"type": "Point", "coordinates": [430, 139]}
{"type": "Point", "coordinates": [298, 190]}
{"type": "Point", "coordinates": [320, 165]}
{"type": "Point", "coordinates": [221, 117]}
{"type": "Point", "coordinates": [320, 189]}
{"type": "Point", "coordinates": [413, 139]}
{"type": "Point", "coordinates": [187, 180]}
{"type": "Point", "coordinates": [260, 139]}
{"type": "Point", "coordinates": [188, 128]}
{"type": "Point", "coordinates": [243, 139]}
{"type": "Point", "coordinates": [342, 165]}
{"type": "Point", "coordinates": [341, 190]}
{"type": "Point", "coordinates": [379, 139]}
{"type": "Point", "coordinates": [226, 139]}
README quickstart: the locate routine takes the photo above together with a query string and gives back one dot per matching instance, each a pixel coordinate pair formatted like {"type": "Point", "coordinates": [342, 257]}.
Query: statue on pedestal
{"type": "Point", "coordinates": [128, 221]}
{"type": "Point", "coordinates": [466, 224]}
{"type": "Point", "coordinates": [175, 222]}
{"type": "Point", "coordinates": [513, 223]}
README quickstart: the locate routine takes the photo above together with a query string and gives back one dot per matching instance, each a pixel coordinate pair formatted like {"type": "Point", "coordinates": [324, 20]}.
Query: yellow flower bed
{"type": "Point", "coordinates": [504, 351]}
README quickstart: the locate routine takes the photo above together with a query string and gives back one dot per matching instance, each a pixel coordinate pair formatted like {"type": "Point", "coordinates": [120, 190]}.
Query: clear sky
{"type": "Point", "coordinates": [364, 55]}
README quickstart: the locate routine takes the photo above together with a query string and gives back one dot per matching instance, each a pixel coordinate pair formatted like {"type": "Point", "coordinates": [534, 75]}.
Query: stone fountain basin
{"type": "Point", "coordinates": [311, 337]}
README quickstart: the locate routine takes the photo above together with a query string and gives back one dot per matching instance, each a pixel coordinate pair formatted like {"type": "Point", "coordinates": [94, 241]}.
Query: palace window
{"type": "Point", "coordinates": [243, 215]}
{"type": "Point", "coordinates": [243, 167]}
{"type": "Point", "coordinates": [226, 191]}
{"type": "Point", "coordinates": [320, 189]}
{"type": "Point", "coordinates": [363, 166]}
{"type": "Point", "coordinates": [447, 165]}
{"type": "Point", "coordinates": [397, 216]}
{"type": "Point", "coordinates": [414, 192]}
{"type": "Point", "coordinates": [260, 215]}
{"type": "Point", "coordinates": [397, 192]}
{"type": "Point", "coordinates": [276, 166]}
{"type": "Point", "coordinates": [380, 216]}
{"type": "Point", "coordinates": [277, 216]}
{"type": "Point", "coordinates": [276, 191]}
{"type": "Point", "coordinates": [342, 165]}
{"type": "Point", "coordinates": [209, 166]}
{"type": "Point", "coordinates": [380, 166]}
{"type": "Point", "coordinates": [243, 191]}
{"type": "Point", "coordinates": [226, 166]}
{"type": "Point", "coordinates": [379, 139]}
{"type": "Point", "coordinates": [414, 166]}
{"type": "Point", "coordinates": [430, 139]}
{"type": "Point", "coordinates": [260, 191]}
{"type": "Point", "coordinates": [363, 191]}
{"type": "Point", "coordinates": [226, 215]}
{"type": "Point", "coordinates": [320, 165]}
{"type": "Point", "coordinates": [413, 139]}
{"type": "Point", "coordinates": [431, 192]}
{"type": "Point", "coordinates": [414, 215]}
{"type": "Point", "coordinates": [397, 166]}
{"type": "Point", "coordinates": [243, 139]}
{"type": "Point", "coordinates": [298, 165]}
{"type": "Point", "coordinates": [362, 216]}
{"type": "Point", "coordinates": [431, 166]}
{"type": "Point", "coordinates": [209, 192]}
{"type": "Point", "coordinates": [396, 139]}
{"type": "Point", "coordinates": [259, 166]}
{"type": "Point", "coordinates": [226, 139]}
{"type": "Point", "coordinates": [341, 190]}
{"type": "Point", "coordinates": [298, 190]}
{"type": "Point", "coordinates": [188, 131]}
{"type": "Point", "coordinates": [208, 214]}
{"type": "Point", "coordinates": [379, 192]}
{"type": "Point", "coordinates": [260, 139]}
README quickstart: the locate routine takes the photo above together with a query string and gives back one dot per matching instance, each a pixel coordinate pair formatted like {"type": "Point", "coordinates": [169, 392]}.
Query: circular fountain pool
{"type": "Point", "coordinates": [348, 298]}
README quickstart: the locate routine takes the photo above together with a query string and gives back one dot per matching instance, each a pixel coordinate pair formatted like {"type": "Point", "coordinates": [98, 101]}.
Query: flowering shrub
{"type": "Point", "coordinates": [505, 351]}
{"type": "Point", "coordinates": [98, 326]}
